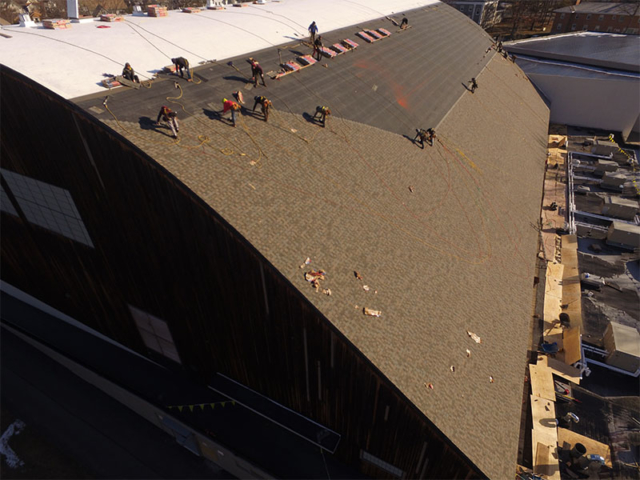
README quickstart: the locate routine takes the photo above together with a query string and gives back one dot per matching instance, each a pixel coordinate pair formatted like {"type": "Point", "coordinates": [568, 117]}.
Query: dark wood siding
{"type": "Point", "coordinates": [159, 248]}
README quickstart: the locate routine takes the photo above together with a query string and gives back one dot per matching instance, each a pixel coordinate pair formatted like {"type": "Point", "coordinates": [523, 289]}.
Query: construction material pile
{"type": "Point", "coordinates": [110, 17]}
{"type": "Point", "coordinates": [157, 11]}
{"type": "Point", "coordinates": [56, 24]}
{"type": "Point", "coordinates": [190, 10]}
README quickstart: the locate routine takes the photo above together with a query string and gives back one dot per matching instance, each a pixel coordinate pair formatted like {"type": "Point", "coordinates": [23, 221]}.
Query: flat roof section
{"type": "Point", "coordinates": [72, 62]}
{"type": "Point", "coordinates": [607, 50]}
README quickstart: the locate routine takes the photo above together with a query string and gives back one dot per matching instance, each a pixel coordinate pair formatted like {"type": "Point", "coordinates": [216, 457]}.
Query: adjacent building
{"type": "Point", "coordinates": [598, 17]}
{"type": "Point", "coordinates": [484, 12]}
{"type": "Point", "coordinates": [589, 79]}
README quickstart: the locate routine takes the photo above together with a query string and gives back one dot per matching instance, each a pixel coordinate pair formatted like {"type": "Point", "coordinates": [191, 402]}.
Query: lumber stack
{"type": "Point", "coordinates": [157, 11]}
{"type": "Point", "coordinates": [56, 24]}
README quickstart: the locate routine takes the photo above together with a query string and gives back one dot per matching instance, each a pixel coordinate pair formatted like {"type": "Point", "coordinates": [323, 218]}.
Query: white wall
{"type": "Point", "coordinates": [587, 97]}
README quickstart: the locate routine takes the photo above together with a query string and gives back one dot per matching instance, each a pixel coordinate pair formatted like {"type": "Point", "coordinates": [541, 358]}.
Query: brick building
{"type": "Point", "coordinates": [483, 12]}
{"type": "Point", "coordinates": [598, 17]}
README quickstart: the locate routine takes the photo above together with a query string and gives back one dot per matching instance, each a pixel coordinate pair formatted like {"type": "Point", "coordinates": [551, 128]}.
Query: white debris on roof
{"type": "Point", "coordinates": [72, 62]}
{"type": "Point", "coordinates": [10, 456]}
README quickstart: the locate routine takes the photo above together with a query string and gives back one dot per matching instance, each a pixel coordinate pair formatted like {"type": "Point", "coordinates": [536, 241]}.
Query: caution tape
{"type": "Point", "coordinates": [201, 405]}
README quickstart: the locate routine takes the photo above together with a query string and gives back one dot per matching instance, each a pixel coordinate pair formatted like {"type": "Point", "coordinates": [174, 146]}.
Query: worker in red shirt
{"type": "Point", "coordinates": [230, 105]}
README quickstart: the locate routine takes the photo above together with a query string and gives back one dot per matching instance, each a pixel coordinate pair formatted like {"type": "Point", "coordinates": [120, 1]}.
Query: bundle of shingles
{"type": "Point", "coordinates": [56, 24]}
{"type": "Point", "coordinates": [110, 17]}
{"type": "Point", "coordinates": [157, 11]}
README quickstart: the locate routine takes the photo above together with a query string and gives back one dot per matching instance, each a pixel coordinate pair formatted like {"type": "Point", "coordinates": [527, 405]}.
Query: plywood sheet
{"type": "Point", "coordinates": [552, 332]}
{"type": "Point", "coordinates": [545, 436]}
{"type": "Point", "coordinates": [545, 462]}
{"type": "Point", "coordinates": [542, 382]}
{"type": "Point", "coordinates": [571, 344]}
{"type": "Point", "coordinates": [571, 292]}
{"type": "Point", "coordinates": [567, 439]}
{"type": "Point", "coordinates": [563, 370]}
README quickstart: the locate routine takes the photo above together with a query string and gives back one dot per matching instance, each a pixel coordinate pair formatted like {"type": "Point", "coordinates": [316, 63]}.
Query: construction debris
{"type": "Point", "coordinates": [468, 353]}
{"type": "Point", "coordinates": [371, 313]}
{"type": "Point", "coordinates": [157, 11]}
{"type": "Point", "coordinates": [358, 276]}
{"type": "Point", "coordinates": [491, 380]}
{"type": "Point", "coordinates": [327, 291]}
{"type": "Point", "coordinates": [452, 368]}
{"type": "Point", "coordinates": [306, 262]}
{"type": "Point", "coordinates": [475, 337]}
{"type": "Point", "coordinates": [313, 275]}
{"type": "Point", "coordinates": [429, 385]}
{"type": "Point", "coordinates": [366, 288]}
{"type": "Point", "coordinates": [110, 17]}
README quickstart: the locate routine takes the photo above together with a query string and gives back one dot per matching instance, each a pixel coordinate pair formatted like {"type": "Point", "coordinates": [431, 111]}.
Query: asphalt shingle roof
{"type": "Point", "coordinates": [443, 235]}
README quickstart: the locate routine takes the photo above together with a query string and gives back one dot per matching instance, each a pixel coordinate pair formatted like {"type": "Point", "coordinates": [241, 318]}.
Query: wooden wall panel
{"type": "Point", "coordinates": [162, 250]}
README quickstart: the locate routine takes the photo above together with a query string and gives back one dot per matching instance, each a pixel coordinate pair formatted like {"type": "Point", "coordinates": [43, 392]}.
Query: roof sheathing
{"type": "Point", "coordinates": [456, 254]}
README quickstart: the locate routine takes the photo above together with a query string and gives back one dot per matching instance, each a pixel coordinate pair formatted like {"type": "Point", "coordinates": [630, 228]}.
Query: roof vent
{"type": "Point", "coordinates": [72, 9]}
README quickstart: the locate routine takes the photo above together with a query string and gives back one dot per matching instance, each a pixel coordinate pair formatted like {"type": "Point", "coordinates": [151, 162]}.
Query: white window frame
{"type": "Point", "coordinates": [47, 206]}
{"type": "Point", "coordinates": [387, 467]}
{"type": "Point", "coordinates": [155, 334]}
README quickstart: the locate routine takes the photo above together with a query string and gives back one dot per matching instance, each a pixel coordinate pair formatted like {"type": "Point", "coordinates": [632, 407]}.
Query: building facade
{"type": "Point", "coordinates": [484, 13]}
{"type": "Point", "coordinates": [598, 17]}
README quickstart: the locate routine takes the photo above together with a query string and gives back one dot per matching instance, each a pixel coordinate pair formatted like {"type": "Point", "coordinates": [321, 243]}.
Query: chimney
{"type": "Point", "coordinates": [72, 9]}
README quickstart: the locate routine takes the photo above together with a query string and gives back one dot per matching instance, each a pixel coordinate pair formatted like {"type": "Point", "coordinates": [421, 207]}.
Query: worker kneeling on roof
{"type": "Point", "coordinates": [129, 73]}
{"type": "Point", "coordinates": [170, 117]}
{"type": "Point", "coordinates": [322, 112]}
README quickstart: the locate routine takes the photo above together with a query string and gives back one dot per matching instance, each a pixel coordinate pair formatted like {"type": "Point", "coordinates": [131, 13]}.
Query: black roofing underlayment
{"type": "Point", "coordinates": [406, 81]}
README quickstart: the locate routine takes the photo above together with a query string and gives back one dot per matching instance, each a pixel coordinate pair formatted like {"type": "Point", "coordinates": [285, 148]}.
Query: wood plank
{"type": "Point", "coordinates": [571, 291]}
{"type": "Point", "coordinates": [552, 299]}
{"type": "Point", "coordinates": [563, 370]}
{"type": "Point", "coordinates": [545, 463]}
{"type": "Point", "coordinates": [567, 439]}
{"type": "Point", "coordinates": [545, 436]}
{"type": "Point", "coordinates": [542, 382]}
{"type": "Point", "coordinates": [572, 345]}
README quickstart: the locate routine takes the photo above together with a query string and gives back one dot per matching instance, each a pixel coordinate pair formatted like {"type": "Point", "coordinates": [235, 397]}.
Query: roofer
{"type": "Point", "coordinates": [323, 112]}
{"type": "Point", "coordinates": [182, 63]}
{"type": "Point", "coordinates": [256, 70]}
{"type": "Point", "coordinates": [230, 105]}
{"type": "Point", "coordinates": [265, 103]}
{"type": "Point", "coordinates": [313, 29]}
{"type": "Point", "coordinates": [427, 135]}
{"type": "Point", "coordinates": [129, 73]}
{"type": "Point", "coordinates": [404, 23]}
{"type": "Point", "coordinates": [317, 47]}
{"type": "Point", "coordinates": [474, 85]}
{"type": "Point", "coordinates": [170, 117]}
